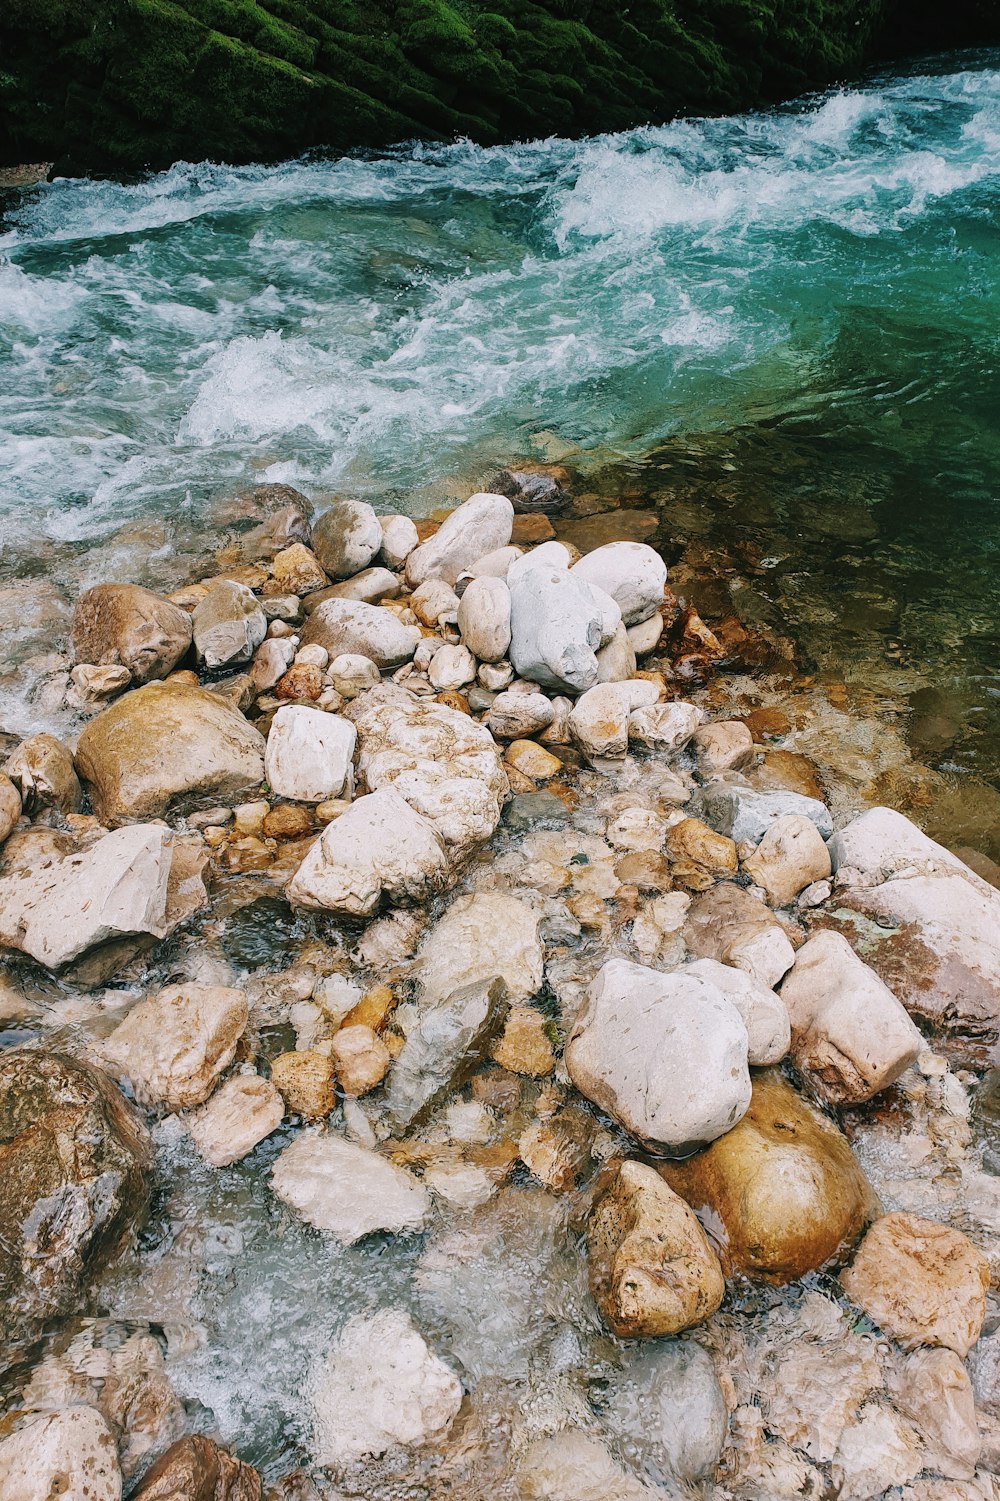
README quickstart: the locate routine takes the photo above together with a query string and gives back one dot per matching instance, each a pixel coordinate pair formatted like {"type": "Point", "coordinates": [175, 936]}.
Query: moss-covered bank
{"type": "Point", "coordinates": [124, 84]}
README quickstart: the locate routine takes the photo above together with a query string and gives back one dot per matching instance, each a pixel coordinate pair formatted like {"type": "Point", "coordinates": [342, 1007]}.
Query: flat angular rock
{"type": "Point", "coordinates": [67, 1453]}
{"type": "Point", "coordinates": [74, 1160]}
{"type": "Point", "coordinates": [664, 1054]}
{"type": "Point", "coordinates": [346, 538]}
{"type": "Point", "coordinates": [379, 847]}
{"type": "Point", "coordinates": [347, 625]}
{"type": "Point", "coordinates": [228, 625]}
{"type": "Point", "coordinates": [450, 1039]}
{"type": "Point", "coordinates": [117, 888]}
{"type": "Point", "coordinates": [764, 1013]}
{"type": "Point", "coordinates": [850, 1036]}
{"type": "Point", "coordinates": [745, 815]}
{"type": "Point", "coordinates": [652, 1270]}
{"type": "Point", "coordinates": [241, 1113]}
{"type": "Point", "coordinates": [123, 624]}
{"type": "Point", "coordinates": [479, 938]}
{"type": "Point", "coordinates": [631, 572]}
{"type": "Point", "coordinates": [174, 1045]}
{"type": "Point", "coordinates": [724, 746]}
{"type": "Point", "coordinates": [381, 1388]}
{"type": "Point", "coordinates": [921, 1282]}
{"type": "Point", "coordinates": [347, 1190]}
{"type": "Point", "coordinates": [781, 1194]}
{"type": "Point", "coordinates": [165, 748]}
{"type": "Point", "coordinates": [480, 525]}
{"type": "Point", "coordinates": [309, 754]}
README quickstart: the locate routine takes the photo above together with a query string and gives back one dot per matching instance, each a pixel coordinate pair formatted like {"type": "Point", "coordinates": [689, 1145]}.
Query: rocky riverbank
{"type": "Point", "coordinates": [430, 1001]}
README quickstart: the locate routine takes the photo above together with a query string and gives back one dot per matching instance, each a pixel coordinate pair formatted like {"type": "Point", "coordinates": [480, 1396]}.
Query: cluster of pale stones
{"type": "Point", "coordinates": [679, 1054]}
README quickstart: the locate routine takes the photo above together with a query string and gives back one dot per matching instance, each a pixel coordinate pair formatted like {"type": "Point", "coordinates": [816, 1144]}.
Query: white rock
{"type": "Point", "coordinates": [645, 637]}
{"type": "Point", "coordinates": [724, 746]}
{"type": "Point", "coordinates": [666, 1404]}
{"type": "Point", "coordinates": [173, 1045]}
{"type": "Point", "coordinates": [381, 1388]}
{"type": "Point", "coordinates": [764, 1013]}
{"type": "Point", "coordinates": [480, 525]}
{"type": "Point", "coordinates": [479, 937]}
{"type": "Point", "coordinates": [115, 889]}
{"type": "Point", "coordinates": [665, 1055]}
{"type": "Point", "coordinates": [518, 716]}
{"type": "Point", "coordinates": [935, 1393]}
{"type": "Point", "coordinates": [346, 1189]}
{"type": "Point", "coordinates": [309, 754]}
{"type": "Point", "coordinates": [69, 1453]}
{"type": "Point", "coordinates": [241, 1113]}
{"type": "Point", "coordinates": [10, 806]}
{"type": "Point", "coordinates": [434, 601]}
{"type": "Point", "coordinates": [611, 618]}
{"type": "Point", "coordinates": [495, 564]}
{"type": "Point", "coordinates": [313, 656]}
{"type": "Point", "coordinates": [631, 572]}
{"type": "Point", "coordinates": [484, 618]}
{"type": "Point", "coordinates": [576, 1466]}
{"type": "Point", "coordinates": [665, 727]}
{"type": "Point", "coordinates": [544, 558]}
{"type": "Point", "coordinates": [379, 846]}
{"type": "Point", "coordinates": [850, 1036]}
{"type": "Point", "coordinates": [600, 720]}
{"type": "Point", "coordinates": [637, 829]}
{"type": "Point", "coordinates": [228, 625]}
{"type": "Point", "coordinates": [557, 622]}
{"type": "Point", "coordinates": [452, 667]}
{"type": "Point", "coordinates": [352, 674]}
{"type": "Point", "coordinates": [371, 586]}
{"type": "Point", "coordinates": [345, 625]}
{"type": "Point", "coordinates": [346, 538]}
{"type": "Point", "coordinates": [399, 538]}
{"type": "Point", "coordinates": [789, 858]}
{"type": "Point", "coordinates": [616, 660]}
{"type": "Point", "coordinates": [272, 660]}
{"type": "Point", "coordinates": [496, 676]}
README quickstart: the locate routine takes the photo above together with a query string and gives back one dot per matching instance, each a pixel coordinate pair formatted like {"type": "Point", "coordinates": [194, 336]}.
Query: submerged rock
{"type": "Point", "coordinates": [450, 1039]}
{"type": "Point", "coordinates": [935, 1393]}
{"type": "Point", "coordinates": [174, 1045]}
{"type": "Point", "coordinates": [73, 1163]}
{"type": "Point", "coordinates": [480, 937]}
{"type": "Point", "coordinates": [196, 1469]}
{"type": "Point", "coordinates": [745, 815]}
{"type": "Point", "coordinates": [576, 1466]}
{"type": "Point", "coordinates": [241, 1113]}
{"type": "Point", "coordinates": [164, 748]}
{"type": "Point", "coordinates": [850, 1036]}
{"type": "Point", "coordinates": [664, 1054]}
{"type": "Point", "coordinates": [652, 1270]}
{"type": "Point", "coordinates": [127, 625]}
{"type": "Point", "coordinates": [921, 1282]}
{"type": "Point", "coordinates": [346, 1189]}
{"type": "Point", "coordinates": [666, 1403]}
{"type": "Point", "coordinates": [380, 1388]}
{"type": "Point", "coordinates": [68, 1453]}
{"type": "Point", "coordinates": [782, 1193]}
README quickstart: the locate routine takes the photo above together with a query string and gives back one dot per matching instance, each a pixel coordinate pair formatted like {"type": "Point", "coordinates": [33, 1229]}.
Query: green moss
{"type": "Point", "coordinates": [125, 84]}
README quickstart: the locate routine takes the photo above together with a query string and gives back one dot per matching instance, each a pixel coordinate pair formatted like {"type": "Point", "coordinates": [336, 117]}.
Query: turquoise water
{"type": "Point", "coordinates": [783, 329]}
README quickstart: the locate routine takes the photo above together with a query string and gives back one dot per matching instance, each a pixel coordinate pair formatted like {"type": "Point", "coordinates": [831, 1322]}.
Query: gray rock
{"type": "Point", "coordinates": [484, 618]}
{"type": "Point", "coordinates": [445, 1046]}
{"type": "Point", "coordinates": [557, 622]}
{"type": "Point", "coordinates": [745, 816]}
{"type": "Point", "coordinates": [346, 538]}
{"type": "Point", "coordinates": [228, 625]}
{"type": "Point", "coordinates": [346, 625]}
{"type": "Point", "coordinates": [666, 1405]}
{"type": "Point", "coordinates": [530, 810]}
{"type": "Point", "coordinates": [631, 572]}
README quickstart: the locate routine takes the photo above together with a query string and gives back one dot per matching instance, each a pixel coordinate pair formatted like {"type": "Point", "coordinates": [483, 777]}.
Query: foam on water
{"type": "Point", "coordinates": [396, 322]}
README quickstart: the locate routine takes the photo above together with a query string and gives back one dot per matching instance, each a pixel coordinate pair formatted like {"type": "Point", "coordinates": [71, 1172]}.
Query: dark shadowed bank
{"type": "Point", "coordinates": [120, 85]}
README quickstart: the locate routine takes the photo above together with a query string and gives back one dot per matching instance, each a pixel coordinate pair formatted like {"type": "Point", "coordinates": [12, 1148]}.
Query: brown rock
{"type": "Point", "coordinates": [557, 1149]}
{"type": "Point", "coordinates": [302, 681]}
{"type": "Point", "coordinates": [295, 570]}
{"type": "Point", "coordinates": [733, 927]}
{"type": "Point", "coordinates": [525, 1046]}
{"type": "Point", "coordinates": [268, 517]}
{"type": "Point", "coordinates": [165, 748]}
{"type": "Point", "coordinates": [782, 1192]}
{"type": "Point", "coordinates": [306, 1081]}
{"type": "Point", "coordinates": [452, 699]}
{"type": "Point", "coordinates": [248, 853]}
{"type": "Point", "coordinates": [10, 806]}
{"type": "Point", "coordinates": [174, 1045]}
{"type": "Point", "coordinates": [359, 1058]}
{"type": "Point", "coordinates": [787, 771]}
{"type": "Point", "coordinates": [532, 760]}
{"type": "Point", "coordinates": [767, 724]}
{"type": "Point", "coordinates": [591, 532]}
{"type": "Point", "coordinates": [287, 821]}
{"type": "Point", "coordinates": [123, 624]}
{"type": "Point", "coordinates": [42, 771]}
{"type": "Point", "coordinates": [724, 746]}
{"type": "Point", "coordinates": [791, 855]}
{"type": "Point", "coordinates": [373, 1010]}
{"type": "Point", "coordinates": [647, 870]}
{"type": "Point", "coordinates": [74, 1156]}
{"type": "Point", "coordinates": [698, 855]}
{"type": "Point", "coordinates": [241, 1112]}
{"type": "Point", "coordinates": [196, 1469]}
{"type": "Point", "coordinates": [531, 528]}
{"type": "Point", "coordinates": [652, 1269]}
{"type": "Point", "coordinates": [921, 1282]}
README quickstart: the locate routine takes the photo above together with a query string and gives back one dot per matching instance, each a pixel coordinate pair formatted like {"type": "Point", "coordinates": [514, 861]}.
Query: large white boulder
{"type": "Point", "coordinates": [481, 936]}
{"type": "Point", "coordinates": [117, 888]}
{"type": "Point", "coordinates": [631, 572]}
{"type": "Point", "coordinates": [480, 525]}
{"type": "Point", "coordinates": [934, 923]}
{"type": "Point", "coordinates": [850, 1036]}
{"type": "Point", "coordinates": [174, 1045]}
{"type": "Point", "coordinates": [558, 623]}
{"type": "Point", "coordinates": [309, 754]}
{"type": "Point", "coordinates": [380, 846]}
{"type": "Point", "coordinates": [70, 1452]}
{"type": "Point", "coordinates": [665, 1055]}
{"type": "Point", "coordinates": [484, 618]}
{"type": "Point", "coordinates": [347, 625]}
{"type": "Point", "coordinates": [599, 721]}
{"type": "Point", "coordinates": [347, 1190]}
{"type": "Point", "coordinates": [380, 1388]}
